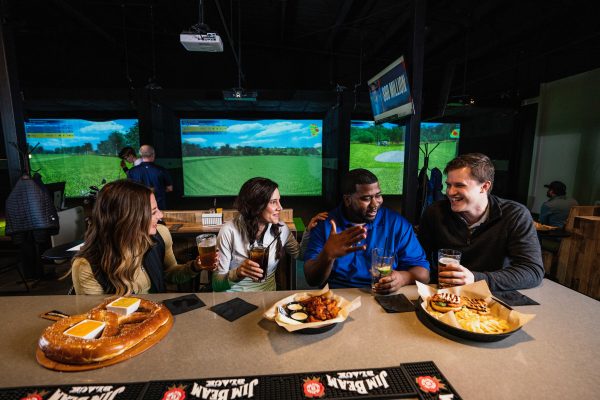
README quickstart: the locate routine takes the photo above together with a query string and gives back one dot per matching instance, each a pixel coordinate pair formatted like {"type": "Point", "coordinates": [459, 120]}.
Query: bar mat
{"type": "Point", "coordinates": [514, 298]}
{"type": "Point", "coordinates": [396, 303]}
{"type": "Point", "coordinates": [121, 391]}
{"type": "Point", "coordinates": [233, 309]}
{"type": "Point", "coordinates": [181, 304]}
{"type": "Point", "coordinates": [375, 383]}
{"type": "Point", "coordinates": [427, 378]}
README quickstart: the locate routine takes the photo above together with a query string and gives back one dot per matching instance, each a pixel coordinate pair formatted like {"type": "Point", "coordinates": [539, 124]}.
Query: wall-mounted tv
{"type": "Point", "coordinates": [79, 152]}
{"type": "Point", "coordinates": [380, 149]}
{"type": "Point", "coordinates": [219, 155]}
{"type": "Point", "coordinates": [390, 93]}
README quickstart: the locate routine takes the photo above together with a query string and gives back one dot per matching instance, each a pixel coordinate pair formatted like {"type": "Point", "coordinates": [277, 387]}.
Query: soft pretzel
{"type": "Point", "coordinates": [120, 333]}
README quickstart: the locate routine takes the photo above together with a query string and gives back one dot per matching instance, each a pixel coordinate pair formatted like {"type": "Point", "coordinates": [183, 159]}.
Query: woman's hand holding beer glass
{"type": "Point", "coordinates": [250, 269]}
{"type": "Point", "coordinates": [198, 265]}
{"type": "Point", "coordinates": [208, 255]}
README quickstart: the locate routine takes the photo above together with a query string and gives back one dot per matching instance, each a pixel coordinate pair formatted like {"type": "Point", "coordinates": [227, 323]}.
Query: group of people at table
{"type": "Point", "coordinates": [127, 251]}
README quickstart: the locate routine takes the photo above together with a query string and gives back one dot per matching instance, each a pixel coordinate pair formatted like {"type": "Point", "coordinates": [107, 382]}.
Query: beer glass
{"type": "Point", "coordinates": [260, 255]}
{"type": "Point", "coordinates": [207, 248]}
{"type": "Point", "coordinates": [445, 257]}
{"type": "Point", "coordinates": [381, 265]}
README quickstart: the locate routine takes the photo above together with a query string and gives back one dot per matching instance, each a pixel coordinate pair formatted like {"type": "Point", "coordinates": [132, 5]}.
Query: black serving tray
{"type": "Point", "coordinates": [431, 322]}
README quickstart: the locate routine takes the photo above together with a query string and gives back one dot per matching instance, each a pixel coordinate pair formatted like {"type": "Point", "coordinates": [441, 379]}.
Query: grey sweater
{"type": "Point", "coordinates": [504, 250]}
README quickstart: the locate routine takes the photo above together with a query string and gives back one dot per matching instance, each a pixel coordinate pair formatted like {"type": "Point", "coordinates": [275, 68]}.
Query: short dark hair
{"type": "Point", "coordinates": [355, 177]}
{"type": "Point", "coordinates": [481, 166]}
{"type": "Point", "coordinates": [126, 151]}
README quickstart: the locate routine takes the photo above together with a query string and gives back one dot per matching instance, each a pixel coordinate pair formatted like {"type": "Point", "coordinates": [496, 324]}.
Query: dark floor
{"type": "Point", "coordinates": [11, 283]}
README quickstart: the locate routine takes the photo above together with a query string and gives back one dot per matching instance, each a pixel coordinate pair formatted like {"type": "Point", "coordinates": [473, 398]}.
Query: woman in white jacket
{"type": "Point", "coordinates": [258, 222]}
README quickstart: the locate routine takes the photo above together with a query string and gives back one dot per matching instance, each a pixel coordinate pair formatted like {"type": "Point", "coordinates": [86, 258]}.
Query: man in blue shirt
{"type": "Point", "coordinates": [339, 251]}
{"type": "Point", "coordinates": [152, 175]}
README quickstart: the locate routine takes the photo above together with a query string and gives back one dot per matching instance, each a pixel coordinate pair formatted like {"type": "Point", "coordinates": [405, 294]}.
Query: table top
{"type": "Point", "coordinates": [556, 355]}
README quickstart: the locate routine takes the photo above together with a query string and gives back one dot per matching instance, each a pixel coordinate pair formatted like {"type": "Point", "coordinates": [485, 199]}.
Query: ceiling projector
{"type": "Point", "coordinates": [193, 41]}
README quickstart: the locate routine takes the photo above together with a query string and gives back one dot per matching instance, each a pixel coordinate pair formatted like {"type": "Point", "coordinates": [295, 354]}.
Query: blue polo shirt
{"type": "Point", "coordinates": [352, 270]}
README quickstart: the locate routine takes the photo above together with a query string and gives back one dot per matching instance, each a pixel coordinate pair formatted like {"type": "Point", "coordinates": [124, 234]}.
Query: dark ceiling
{"type": "Point", "coordinates": [294, 52]}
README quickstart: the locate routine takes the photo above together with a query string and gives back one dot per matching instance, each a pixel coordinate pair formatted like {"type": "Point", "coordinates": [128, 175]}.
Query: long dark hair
{"type": "Point", "coordinates": [253, 198]}
{"type": "Point", "coordinates": [117, 237]}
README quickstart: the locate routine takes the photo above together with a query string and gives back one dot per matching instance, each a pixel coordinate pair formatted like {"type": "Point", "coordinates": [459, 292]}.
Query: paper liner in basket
{"type": "Point", "coordinates": [477, 290]}
{"type": "Point", "coordinates": [291, 325]}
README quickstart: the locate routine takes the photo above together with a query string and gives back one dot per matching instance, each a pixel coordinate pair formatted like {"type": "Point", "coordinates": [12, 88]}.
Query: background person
{"type": "Point", "coordinates": [259, 206]}
{"type": "Point", "coordinates": [127, 154]}
{"type": "Point", "coordinates": [125, 250]}
{"type": "Point", "coordinates": [555, 211]}
{"type": "Point", "coordinates": [152, 175]}
{"type": "Point", "coordinates": [497, 237]}
{"type": "Point", "coordinates": [339, 251]}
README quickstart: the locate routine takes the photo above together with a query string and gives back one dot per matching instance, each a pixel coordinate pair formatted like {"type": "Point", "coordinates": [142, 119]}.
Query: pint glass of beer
{"type": "Point", "coordinates": [207, 248]}
{"type": "Point", "coordinates": [445, 257]}
{"type": "Point", "coordinates": [260, 255]}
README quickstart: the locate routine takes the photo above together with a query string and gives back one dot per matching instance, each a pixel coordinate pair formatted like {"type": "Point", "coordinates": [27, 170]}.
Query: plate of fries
{"type": "Point", "coordinates": [489, 321]}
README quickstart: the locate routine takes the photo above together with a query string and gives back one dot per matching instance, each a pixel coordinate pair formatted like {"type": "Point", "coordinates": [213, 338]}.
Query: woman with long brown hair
{"type": "Point", "coordinates": [258, 222]}
{"type": "Point", "coordinates": [126, 250]}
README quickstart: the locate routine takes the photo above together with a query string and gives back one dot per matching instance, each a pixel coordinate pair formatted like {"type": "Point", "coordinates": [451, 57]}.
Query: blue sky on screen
{"type": "Point", "coordinates": [259, 133]}
{"type": "Point", "coordinates": [368, 124]}
{"type": "Point", "coordinates": [53, 133]}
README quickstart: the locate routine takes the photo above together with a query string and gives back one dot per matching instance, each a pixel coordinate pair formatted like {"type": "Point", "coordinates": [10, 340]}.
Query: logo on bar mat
{"type": "Point", "coordinates": [313, 388]}
{"type": "Point", "coordinates": [175, 393]}
{"type": "Point", "coordinates": [35, 395]}
{"type": "Point", "coordinates": [430, 384]}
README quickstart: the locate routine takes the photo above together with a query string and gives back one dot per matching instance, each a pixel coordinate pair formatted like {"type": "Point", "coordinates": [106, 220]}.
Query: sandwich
{"type": "Point", "coordinates": [477, 305]}
{"type": "Point", "coordinates": [444, 302]}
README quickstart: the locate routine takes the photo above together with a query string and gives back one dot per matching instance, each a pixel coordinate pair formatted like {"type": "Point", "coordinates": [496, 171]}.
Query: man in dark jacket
{"type": "Point", "coordinates": [497, 237]}
{"type": "Point", "coordinates": [152, 175]}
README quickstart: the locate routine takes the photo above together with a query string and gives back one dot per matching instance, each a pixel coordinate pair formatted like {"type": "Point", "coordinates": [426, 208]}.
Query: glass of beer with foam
{"type": "Point", "coordinates": [446, 257]}
{"type": "Point", "coordinates": [207, 248]}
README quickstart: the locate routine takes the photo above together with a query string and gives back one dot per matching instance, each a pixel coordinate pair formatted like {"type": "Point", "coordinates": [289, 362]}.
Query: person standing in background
{"type": "Point", "coordinates": [152, 175]}
{"type": "Point", "coordinates": [128, 154]}
{"type": "Point", "coordinates": [555, 211]}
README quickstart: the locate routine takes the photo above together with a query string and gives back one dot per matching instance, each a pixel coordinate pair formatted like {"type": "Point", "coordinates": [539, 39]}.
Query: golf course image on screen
{"type": "Point", "coordinates": [219, 155]}
{"type": "Point", "coordinates": [79, 152]}
{"type": "Point", "coordinates": [380, 149]}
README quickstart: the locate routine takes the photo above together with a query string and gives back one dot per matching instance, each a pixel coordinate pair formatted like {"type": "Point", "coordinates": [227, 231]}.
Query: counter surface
{"type": "Point", "coordinates": [554, 356]}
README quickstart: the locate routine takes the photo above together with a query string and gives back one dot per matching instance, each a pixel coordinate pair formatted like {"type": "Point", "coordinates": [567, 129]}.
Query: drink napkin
{"type": "Point", "coordinates": [514, 298]}
{"type": "Point", "coordinates": [396, 303]}
{"type": "Point", "coordinates": [181, 304]}
{"type": "Point", "coordinates": [233, 309]}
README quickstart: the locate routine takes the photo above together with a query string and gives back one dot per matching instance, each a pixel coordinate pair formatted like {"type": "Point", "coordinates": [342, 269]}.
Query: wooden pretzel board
{"type": "Point", "coordinates": [132, 352]}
